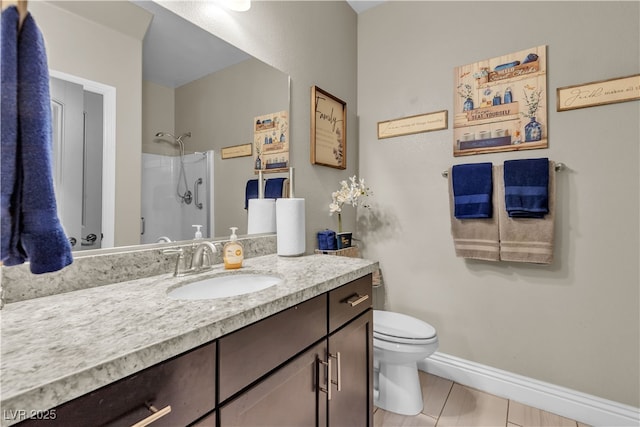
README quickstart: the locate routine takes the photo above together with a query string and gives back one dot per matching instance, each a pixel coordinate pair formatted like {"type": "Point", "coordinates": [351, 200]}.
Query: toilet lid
{"type": "Point", "coordinates": [392, 326]}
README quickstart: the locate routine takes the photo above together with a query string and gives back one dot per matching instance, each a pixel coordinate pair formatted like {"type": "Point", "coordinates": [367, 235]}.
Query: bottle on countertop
{"type": "Point", "coordinates": [233, 252]}
{"type": "Point", "coordinates": [198, 234]}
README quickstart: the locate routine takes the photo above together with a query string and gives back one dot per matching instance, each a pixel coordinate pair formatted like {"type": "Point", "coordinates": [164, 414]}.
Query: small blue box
{"type": "Point", "coordinates": [327, 240]}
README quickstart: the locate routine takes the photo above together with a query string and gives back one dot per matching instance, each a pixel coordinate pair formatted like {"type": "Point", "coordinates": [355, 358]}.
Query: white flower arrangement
{"type": "Point", "coordinates": [352, 193]}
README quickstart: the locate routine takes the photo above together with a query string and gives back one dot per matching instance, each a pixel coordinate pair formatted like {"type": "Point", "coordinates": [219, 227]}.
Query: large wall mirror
{"type": "Point", "coordinates": [197, 95]}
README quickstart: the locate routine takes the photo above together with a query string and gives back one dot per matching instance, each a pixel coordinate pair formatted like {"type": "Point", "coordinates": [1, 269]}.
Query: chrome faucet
{"type": "Point", "coordinates": [204, 250]}
{"type": "Point", "coordinates": [199, 252]}
{"type": "Point", "coordinates": [180, 253]}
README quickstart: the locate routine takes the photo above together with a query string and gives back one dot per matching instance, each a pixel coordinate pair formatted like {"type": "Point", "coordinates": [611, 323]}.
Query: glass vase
{"type": "Point", "coordinates": [468, 105]}
{"type": "Point", "coordinates": [532, 131]}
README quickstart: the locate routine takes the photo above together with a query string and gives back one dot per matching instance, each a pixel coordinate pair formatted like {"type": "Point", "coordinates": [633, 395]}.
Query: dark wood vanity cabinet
{"type": "Point", "coordinates": [327, 384]}
{"type": "Point", "coordinates": [250, 353]}
{"type": "Point", "coordinates": [173, 393]}
{"type": "Point", "coordinates": [350, 345]}
{"type": "Point", "coordinates": [308, 365]}
{"type": "Point", "coordinates": [287, 397]}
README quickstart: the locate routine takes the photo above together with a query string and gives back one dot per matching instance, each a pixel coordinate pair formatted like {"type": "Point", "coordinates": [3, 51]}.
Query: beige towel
{"type": "Point", "coordinates": [476, 238]}
{"type": "Point", "coordinates": [526, 239]}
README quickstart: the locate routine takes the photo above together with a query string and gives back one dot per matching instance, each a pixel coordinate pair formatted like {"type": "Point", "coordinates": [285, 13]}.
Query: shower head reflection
{"type": "Point", "coordinates": [176, 138]}
{"type": "Point", "coordinates": [186, 195]}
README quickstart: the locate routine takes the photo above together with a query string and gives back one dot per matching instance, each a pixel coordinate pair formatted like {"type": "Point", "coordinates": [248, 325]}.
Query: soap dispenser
{"type": "Point", "coordinates": [233, 252]}
{"type": "Point", "coordinates": [198, 234]}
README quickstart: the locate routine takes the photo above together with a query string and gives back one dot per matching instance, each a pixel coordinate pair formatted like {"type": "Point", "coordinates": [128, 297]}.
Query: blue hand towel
{"type": "Point", "coordinates": [8, 128]}
{"type": "Point", "coordinates": [526, 188]}
{"type": "Point", "coordinates": [472, 190]}
{"type": "Point", "coordinates": [273, 188]}
{"type": "Point", "coordinates": [37, 233]}
{"type": "Point", "coordinates": [250, 192]}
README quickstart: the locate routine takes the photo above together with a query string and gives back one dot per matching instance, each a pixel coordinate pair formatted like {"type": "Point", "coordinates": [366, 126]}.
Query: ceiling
{"type": "Point", "coordinates": [176, 52]}
{"type": "Point", "coordinates": [361, 5]}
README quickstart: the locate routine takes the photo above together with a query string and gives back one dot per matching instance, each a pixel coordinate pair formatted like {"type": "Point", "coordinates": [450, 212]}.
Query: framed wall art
{"type": "Point", "coordinates": [500, 103]}
{"type": "Point", "coordinates": [271, 142]}
{"type": "Point", "coordinates": [328, 129]}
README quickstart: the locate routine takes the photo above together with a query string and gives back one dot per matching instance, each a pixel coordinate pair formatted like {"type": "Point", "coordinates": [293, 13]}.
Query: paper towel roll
{"type": "Point", "coordinates": [261, 216]}
{"type": "Point", "coordinates": [290, 227]}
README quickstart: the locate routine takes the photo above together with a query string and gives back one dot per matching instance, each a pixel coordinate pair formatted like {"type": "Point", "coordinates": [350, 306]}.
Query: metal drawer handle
{"type": "Point", "coordinates": [357, 299]}
{"type": "Point", "coordinates": [338, 383]}
{"type": "Point", "coordinates": [156, 415]}
{"type": "Point", "coordinates": [326, 389]}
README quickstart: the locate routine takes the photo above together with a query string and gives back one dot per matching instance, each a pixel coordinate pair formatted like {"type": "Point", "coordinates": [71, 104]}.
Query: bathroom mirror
{"type": "Point", "coordinates": [214, 111]}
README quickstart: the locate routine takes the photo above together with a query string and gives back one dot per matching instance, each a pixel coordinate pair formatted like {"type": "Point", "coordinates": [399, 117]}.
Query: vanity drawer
{"type": "Point", "coordinates": [186, 384]}
{"type": "Point", "coordinates": [348, 301]}
{"type": "Point", "coordinates": [251, 352]}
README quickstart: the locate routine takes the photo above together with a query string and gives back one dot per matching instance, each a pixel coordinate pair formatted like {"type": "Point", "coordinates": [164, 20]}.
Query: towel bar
{"type": "Point", "coordinates": [559, 167]}
{"type": "Point", "coordinates": [261, 179]}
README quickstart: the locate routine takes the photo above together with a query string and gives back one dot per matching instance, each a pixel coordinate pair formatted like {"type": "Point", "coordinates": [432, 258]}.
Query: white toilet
{"type": "Point", "coordinates": [399, 342]}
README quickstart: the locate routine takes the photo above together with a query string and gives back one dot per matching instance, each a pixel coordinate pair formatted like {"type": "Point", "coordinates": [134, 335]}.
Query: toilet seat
{"type": "Point", "coordinates": [400, 328]}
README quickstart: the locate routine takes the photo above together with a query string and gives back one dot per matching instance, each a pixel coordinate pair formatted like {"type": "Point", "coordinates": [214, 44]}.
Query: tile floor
{"type": "Point", "coordinates": [449, 404]}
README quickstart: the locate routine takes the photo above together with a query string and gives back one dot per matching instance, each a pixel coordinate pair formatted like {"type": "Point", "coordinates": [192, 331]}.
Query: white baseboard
{"type": "Point", "coordinates": [576, 405]}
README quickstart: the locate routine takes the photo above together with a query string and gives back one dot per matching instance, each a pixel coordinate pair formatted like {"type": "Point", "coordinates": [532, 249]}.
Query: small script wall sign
{"type": "Point", "coordinates": [599, 93]}
{"type": "Point", "coordinates": [236, 151]}
{"type": "Point", "coordinates": [413, 124]}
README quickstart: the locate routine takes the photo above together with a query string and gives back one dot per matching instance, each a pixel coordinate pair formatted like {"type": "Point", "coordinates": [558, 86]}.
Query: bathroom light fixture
{"type": "Point", "coordinates": [238, 5]}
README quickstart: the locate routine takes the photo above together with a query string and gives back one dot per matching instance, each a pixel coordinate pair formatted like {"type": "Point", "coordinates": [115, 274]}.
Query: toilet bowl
{"type": "Point", "coordinates": [399, 342]}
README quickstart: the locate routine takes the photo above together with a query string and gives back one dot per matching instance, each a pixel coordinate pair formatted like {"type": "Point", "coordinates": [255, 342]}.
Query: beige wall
{"type": "Point", "coordinates": [574, 323]}
{"type": "Point", "coordinates": [80, 47]}
{"type": "Point", "coordinates": [158, 115]}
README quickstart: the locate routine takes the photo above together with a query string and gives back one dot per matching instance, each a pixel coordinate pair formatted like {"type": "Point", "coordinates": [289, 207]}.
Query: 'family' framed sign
{"type": "Point", "coordinates": [328, 129]}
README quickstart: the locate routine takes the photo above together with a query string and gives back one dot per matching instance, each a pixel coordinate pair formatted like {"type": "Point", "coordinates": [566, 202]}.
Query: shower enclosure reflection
{"type": "Point", "coordinates": [168, 213]}
{"type": "Point", "coordinates": [187, 195]}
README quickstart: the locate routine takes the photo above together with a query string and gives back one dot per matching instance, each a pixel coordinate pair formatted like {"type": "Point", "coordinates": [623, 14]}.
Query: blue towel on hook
{"type": "Point", "coordinates": [526, 188]}
{"type": "Point", "coordinates": [472, 190]}
{"type": "Point", "coordinates": [37, 235]}
{"type": "Point", "coordinates": [250, 192]}
{"type": "Point", "coordinates": [273, 188]}
{"type": "Point", "coordinates": [8, 128]}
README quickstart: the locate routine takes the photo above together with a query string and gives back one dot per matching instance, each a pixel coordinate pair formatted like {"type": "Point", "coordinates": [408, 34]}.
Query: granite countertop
{"type": "Point", "coordinates": [60, 347]}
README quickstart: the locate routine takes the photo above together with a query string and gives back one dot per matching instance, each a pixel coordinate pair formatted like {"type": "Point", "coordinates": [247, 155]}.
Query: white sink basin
{"type": "Point", "coordinates": [225, 286]}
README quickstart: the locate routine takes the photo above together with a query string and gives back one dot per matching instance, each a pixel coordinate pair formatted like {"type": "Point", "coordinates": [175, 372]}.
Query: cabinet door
{"type": "Point", "coordinates": [287, 397]}
{"type": "Point", "coordinates": [351, 401]}
{"type": "Point", "coordinates": [251, 352]}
